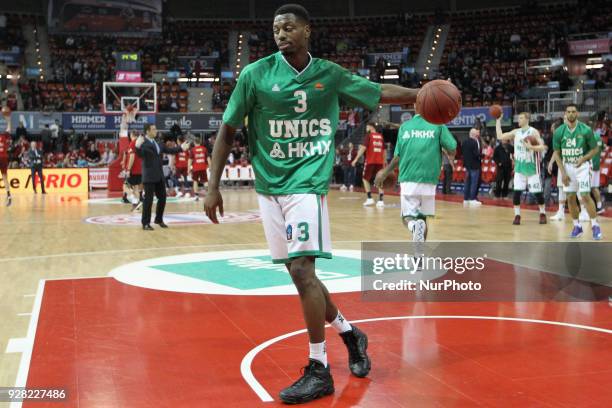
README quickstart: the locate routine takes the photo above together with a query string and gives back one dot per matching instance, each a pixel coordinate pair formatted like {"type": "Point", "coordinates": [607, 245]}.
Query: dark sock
{"type": "Point", "coordinates": [381, 196]}
{"type": "Point", "coordinates": [369, 194]}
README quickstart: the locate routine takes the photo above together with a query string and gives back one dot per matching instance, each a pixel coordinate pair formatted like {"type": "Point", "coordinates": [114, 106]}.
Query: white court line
{"type": "Point", "coordinates": [116, 251]}
{"type": "Point", "coordinates": [24, 314]}
{"type": "Point", "coordinates": [247, 373]}
{"type": "Point", "coordinates": [26, 356]}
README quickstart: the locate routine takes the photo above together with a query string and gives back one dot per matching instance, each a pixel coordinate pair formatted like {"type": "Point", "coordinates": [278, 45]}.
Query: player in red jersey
{"type": "Point", "coordinates": [374, 148]}
{"type": "Point", "coordinates": [181, 164]}
{"type": "Point", "coordinates": [5, 144]}
{"type": "Point", "coordinates": [134, 170]}
{"type": "Point", "coordinates": [198, 164]}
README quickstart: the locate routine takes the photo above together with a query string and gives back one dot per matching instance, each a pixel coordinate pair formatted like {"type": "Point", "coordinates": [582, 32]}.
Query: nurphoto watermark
{"type": "Point", "coordinates": [486, 271]}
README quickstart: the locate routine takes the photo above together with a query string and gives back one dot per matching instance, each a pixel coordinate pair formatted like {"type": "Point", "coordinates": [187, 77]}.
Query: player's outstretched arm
{"type": "Point", "coordinates": [221, 150]}
{"type": "Point", "coordinates": [498, 130]}
{"type": "Point", "coordinates": [397, 94]}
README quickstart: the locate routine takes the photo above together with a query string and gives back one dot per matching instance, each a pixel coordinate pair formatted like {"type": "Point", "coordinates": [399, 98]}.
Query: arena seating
{"type": "Point", "coordinates": [347, 41]}
{"type": "Point", "coordinates": [486, 49]}
{"type": "Point", "coordinates": [81, 63]}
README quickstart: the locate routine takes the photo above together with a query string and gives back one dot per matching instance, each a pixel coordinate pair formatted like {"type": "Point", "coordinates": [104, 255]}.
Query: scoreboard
{"type": "Point", "coordinates": [127, 66]}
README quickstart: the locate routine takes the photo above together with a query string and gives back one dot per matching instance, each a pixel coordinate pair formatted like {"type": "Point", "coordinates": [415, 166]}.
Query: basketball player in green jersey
{"type": "Point", "coordinates": [575, 145]}
{"type": "Point", "coordinates": [595, 180]}
{"type": "Point", "coordinates": [292, 103]}
{"type": "Point", "coordinates": [596, 174]}
{"type": "Point", "coordinates": [527, 159]}
{"type": "Point", "coordinates": [418, 152]}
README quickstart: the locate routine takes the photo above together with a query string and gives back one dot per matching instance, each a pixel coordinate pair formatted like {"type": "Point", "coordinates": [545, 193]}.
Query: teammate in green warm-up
{"type": "Point", "coordinates": [575, 145]}
{"type": "Point", "coordinates": [418, 152]}
{"type": "Point", "coordinates": [527, 162]}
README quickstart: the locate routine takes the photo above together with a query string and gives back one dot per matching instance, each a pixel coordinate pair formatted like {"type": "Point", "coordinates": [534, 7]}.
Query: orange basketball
{"type": "Point", "coordinates": [439, 101]}
{"type": "Point", "coordinates": [495, 111]}
{"type": "Point", "coordinates": [129, 108]}
{"type": "Point", "coordinates": [532, 140]}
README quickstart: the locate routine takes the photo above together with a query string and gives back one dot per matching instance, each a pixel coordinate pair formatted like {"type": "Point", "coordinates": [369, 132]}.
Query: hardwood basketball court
{"type": "Point", "coordinates": [113, 343]}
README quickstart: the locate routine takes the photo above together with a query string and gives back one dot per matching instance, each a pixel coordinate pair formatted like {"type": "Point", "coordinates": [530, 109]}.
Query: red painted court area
{"type": "Point", "coordinates": [115, 345]}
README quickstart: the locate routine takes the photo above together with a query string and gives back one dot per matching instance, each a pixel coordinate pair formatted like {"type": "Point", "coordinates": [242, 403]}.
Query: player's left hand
{"type": "Point", "coordinates": [213, 201]}
{"type": "Point", "coordinates": [580, 162]}
{"type": "Point", "coordinates": [566, 180]}
{"type": "Point", "coordinates": [380, 179]}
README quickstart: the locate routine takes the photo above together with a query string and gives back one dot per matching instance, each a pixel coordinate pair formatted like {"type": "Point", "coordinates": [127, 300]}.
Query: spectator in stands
{"type": "Point", "coordinates": [448, 173]}
{"type": "Point", "coordinates": [93, 156]}
{"type": "Point", "coordinates": [108, 156]}
{"type": "Point", "coordinates": [61, 138]}
{"type": "Point", "coordinates": [54, 128]}
{"type": "Point", "coordinates": [175, 132]}
{"type": "Point", "coordinates": [73, 139]}
{"type": "Point", "coordinates": [503, 160]}
{"type": "Point", "coordinates": [35, 157]}
{"type": "Point", "coordinates": [547, 162]}
{"type": "Point", "coordinates": [21, 131]}
{"type": "Point", "coordinates": [348, 154]}
{"type": "Point", "coordinates": [487, 150]}
{"type": "Point", "coordinates": [471, 160]}
{"type": "Point", "coordinates": [45, 136]}
{"type": "Point", "coordinates": [351, 122]}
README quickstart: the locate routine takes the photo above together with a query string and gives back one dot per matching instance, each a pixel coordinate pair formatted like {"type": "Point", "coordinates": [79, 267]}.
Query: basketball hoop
{"type": "Point", "coordinates": [130, 113]}
{"type": "Point", "coordinates": [119, 97]}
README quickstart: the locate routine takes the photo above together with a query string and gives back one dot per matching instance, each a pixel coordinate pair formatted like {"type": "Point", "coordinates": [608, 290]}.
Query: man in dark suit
{"type": "Point", "coordinates": [471, 160]}
{"type": "Point", "coordinates": [152, 153]}
{"type": "Point", "coordinates": [503, 160]}
{"type": "Point", "coordinates": [36, 166]}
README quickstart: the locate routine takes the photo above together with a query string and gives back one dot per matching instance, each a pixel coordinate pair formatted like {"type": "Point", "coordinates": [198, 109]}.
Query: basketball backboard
{"type": "Point", "coordinates": [118, 95]}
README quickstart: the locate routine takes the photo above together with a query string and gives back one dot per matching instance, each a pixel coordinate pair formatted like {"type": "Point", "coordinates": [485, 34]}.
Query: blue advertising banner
{"type": "Point", "coordinates": [32, 121]}
{"type": "Point", "coordinates": [206, 122]}
{"type": "Point", "coordinates": [101, 122]}
{"type": "Point", "coordinates": [467, 117]}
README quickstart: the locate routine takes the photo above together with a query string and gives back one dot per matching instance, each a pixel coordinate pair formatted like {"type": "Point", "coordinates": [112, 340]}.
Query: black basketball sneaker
{"type": "Point", "coordinates": [356, 342]}
{"type": "Point", "coordinates": [316, 382]}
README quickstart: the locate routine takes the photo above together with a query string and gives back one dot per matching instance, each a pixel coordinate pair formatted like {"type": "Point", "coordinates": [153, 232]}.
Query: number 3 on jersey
{"type": "Point", "coordinates": [301, 95]}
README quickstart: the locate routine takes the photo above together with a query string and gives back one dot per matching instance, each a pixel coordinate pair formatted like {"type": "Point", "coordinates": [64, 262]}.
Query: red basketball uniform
{"type": "Point", "coordinates": [181, 164]}
{"type": "Point", "coordinates": [199, 155]}
{"type": "Point", "coordinates": [137, 166]}
{"type": "Point", "coordinates": [5, 140]}
{"type": "Point", "coordinates": [374, 156]}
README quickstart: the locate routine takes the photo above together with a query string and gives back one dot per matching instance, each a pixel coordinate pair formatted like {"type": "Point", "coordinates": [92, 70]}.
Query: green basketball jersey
{"type": "Point", "coordinates": [418, 146]}
{"type": "Point", "coordinates": [573, 144]}
{"type": "Point", "coordinates": [292, 120]}
{"type": "Point", "coordinates": [596, 160]}
{"type": "Point", "coordinates": [524, 159]}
